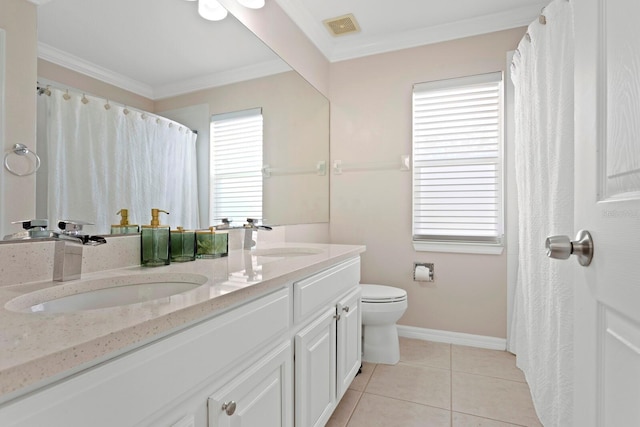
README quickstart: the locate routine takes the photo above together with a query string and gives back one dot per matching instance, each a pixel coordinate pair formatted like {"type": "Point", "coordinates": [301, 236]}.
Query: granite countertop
{"type": "Point", "coordinates": [39, 348]}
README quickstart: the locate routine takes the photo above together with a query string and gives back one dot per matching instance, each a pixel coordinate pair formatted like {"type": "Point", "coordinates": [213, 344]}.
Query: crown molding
{"type": "Point", "coordinates": [39, 2]}
{"type": "Point", "coordinates": [64, 59]}
{"type": "Point", "coordinates": [237, 75]}
{"type": "Point", "coordinates": [359, 45]}
{"type": "Point", "coordinates": [97, 72]}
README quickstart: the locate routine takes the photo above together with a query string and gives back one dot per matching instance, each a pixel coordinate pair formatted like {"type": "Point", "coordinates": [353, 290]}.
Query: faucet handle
{"type": "Point", "coordinates": [226, 223]}
{"type": "Point", "coordinates": [72, 227]}
{"type": "Point", "coordinates": [253, 223]}
{"type": "Point", "coordinates": [28, 224]}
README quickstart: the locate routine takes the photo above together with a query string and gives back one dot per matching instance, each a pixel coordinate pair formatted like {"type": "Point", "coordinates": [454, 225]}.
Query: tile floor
{"type": "Point", "coordinates": [438, 385]}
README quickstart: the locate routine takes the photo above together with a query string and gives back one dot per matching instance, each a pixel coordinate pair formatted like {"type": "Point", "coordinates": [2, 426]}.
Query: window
{"type": "Point", "coordinates": [457, 164]}
{"type": "Point", "coordinates": [236, 166]}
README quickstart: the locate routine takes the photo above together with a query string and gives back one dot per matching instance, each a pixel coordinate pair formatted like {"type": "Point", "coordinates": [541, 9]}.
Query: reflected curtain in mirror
{"type": "Point", "coordinates": [108, 157]}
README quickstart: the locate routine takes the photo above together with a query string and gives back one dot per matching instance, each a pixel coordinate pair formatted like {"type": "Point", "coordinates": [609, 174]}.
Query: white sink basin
{"type": "Point", "coordinates": [107, 292]}
{"type": "Point", "coordinates": [286, 252]}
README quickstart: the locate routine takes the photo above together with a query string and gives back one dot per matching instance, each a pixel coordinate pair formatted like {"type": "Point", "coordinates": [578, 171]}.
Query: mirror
{"type": "Point", "coordinates": [162, 57]}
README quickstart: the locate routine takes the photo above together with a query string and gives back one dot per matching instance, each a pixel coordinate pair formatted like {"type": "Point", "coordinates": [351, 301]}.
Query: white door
{"type": "Point", "coordinates": [607, 194]}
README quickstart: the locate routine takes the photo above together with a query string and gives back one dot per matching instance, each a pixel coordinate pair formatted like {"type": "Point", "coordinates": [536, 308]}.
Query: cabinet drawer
{"type": "Point", "coordinates": [311, 294]}
{"type": "Point", "coordinates": [130, 389]}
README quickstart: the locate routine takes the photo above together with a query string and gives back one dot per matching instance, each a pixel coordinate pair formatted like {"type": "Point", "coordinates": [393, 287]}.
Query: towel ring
{"type": "Point", "coordinates": [21, 150]}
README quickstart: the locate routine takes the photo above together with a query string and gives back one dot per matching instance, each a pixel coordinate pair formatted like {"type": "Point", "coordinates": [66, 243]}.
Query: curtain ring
{"type": "Point", "coordinates": [21, 150]}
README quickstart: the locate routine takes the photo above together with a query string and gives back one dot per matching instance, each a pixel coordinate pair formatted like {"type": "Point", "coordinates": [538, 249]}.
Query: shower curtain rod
{"type": "Point", "coordinates": [44, 89]}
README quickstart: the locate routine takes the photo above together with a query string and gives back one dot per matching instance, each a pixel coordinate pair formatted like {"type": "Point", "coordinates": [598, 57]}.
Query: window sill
{"type": "Point", "coordinates": [460, 248]}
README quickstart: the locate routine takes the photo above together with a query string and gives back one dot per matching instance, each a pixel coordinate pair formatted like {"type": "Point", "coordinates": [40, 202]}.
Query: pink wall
{"type": "Point", "coordinates": [371, 122]}
{"type": "Point", "coordinates": [18, 19]}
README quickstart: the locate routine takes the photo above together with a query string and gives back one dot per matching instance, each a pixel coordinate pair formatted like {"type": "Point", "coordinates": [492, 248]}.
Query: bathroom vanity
{"type": "Point", "coordinates": [272, 338]}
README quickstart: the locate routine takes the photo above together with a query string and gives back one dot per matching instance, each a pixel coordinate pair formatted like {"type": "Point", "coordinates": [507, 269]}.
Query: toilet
{"type": "Point", "coordinates": [382, 306]}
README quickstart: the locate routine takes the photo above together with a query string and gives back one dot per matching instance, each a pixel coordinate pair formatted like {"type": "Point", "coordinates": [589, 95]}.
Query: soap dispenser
{"type": "Point", "coordinates": [183, 245]}
{"type": "Point", "coordinates": [156, 242]}
{"type": "Point", "coordinates": [212, 243]}
{"type": "Point", "coordinates": [124, 227]}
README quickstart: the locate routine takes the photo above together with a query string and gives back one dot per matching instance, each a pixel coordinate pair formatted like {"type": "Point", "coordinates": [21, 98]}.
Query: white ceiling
{"type": "Point", "coordinates": [160, 48]}
{"type": "Point", "coordinates": [156, 48]}
{"type": "Point", "coordinates": [398, 24]}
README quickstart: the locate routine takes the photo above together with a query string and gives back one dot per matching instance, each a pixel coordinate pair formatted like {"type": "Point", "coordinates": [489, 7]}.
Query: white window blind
{"type": "Point", "coordinates": [457, 160]}
{"type": "Point", "coordinates": [236, 165]}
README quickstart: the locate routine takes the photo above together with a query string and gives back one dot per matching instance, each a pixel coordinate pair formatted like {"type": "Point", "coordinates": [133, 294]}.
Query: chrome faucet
{"type": "Point", "coordinates": [33, 229]}
{"type": "Point", "coordinates": [67, 260]}
{"type": "Point", "coordinates": [69, 242]}
{"type": "Point", "coordinates": [72, 230]}
{"type": "Point", "coordinates": [249, 228]}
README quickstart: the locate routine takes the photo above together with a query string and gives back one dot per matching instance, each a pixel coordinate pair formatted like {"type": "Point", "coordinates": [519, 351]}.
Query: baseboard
{"type": "Point", "coordinates": [448, 337]}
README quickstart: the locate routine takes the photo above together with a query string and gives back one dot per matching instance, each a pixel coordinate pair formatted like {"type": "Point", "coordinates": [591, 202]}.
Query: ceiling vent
{"type": "Point", "coordinates": [342, 25]}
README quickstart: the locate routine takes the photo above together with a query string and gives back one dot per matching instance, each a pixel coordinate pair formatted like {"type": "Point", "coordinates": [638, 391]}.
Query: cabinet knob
{"type": "Point", "coordinates": [229, 407]}
{"type": "Point", "coordinates": [336, 316]}
{"type": "Point", "coordinates": [345, 308]}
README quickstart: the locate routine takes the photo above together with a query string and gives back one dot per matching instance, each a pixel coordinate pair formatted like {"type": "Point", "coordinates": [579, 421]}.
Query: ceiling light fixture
{"type": "Point", "coordinates": [252, 4]}
{"type": "Point", "coordinates": [211, 10]}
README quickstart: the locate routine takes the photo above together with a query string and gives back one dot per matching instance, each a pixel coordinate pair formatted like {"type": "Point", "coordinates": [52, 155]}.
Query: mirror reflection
{"type": "Point", "coordinates": [159, 57]}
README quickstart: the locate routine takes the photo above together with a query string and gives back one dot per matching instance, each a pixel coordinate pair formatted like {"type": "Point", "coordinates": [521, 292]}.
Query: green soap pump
{"type": "Point", "coordinates": [124, 227]}
{"type": "Point", "coordinates": [155, 247]}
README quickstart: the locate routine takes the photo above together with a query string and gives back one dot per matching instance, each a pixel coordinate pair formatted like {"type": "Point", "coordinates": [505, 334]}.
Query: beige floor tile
{"type": "Point", "coordinates": [379, 411]}
{"type": "Point", "coordinates": [347, 405]}
{"type": "Point", "coordinates": [429, 386]}
{"type": "Point", "coordinates": [494, 398]}
{"type": "Point", "coordinates": [361, 380]}
{"type": "Point", "coordinates": [480, 361]}
{"type": "Point", "coordinates": [425, 353]}
{"type": "Point", "coordinates": [465, 420]}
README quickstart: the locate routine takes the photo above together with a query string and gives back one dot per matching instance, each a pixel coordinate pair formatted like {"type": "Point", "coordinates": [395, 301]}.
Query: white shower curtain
{"type": "Point", "coordinates": [102, 160]}
{"type": "Point", "coordinates": [542, 329]}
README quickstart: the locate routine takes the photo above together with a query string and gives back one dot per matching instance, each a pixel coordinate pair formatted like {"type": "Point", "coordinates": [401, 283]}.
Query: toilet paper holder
{"type": "Point", "coordinates": [422, 272]}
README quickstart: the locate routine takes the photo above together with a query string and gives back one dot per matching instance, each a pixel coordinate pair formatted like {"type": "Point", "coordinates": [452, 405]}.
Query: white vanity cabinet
{"type": "Point", "coordinates": [237, 369]}
{"type": "Point", "coordinates": [328, 347]}
{"type": "Point", "coordinates": [159, 384]}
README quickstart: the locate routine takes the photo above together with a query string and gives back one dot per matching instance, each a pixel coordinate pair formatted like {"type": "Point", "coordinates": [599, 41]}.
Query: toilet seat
{"type": "Point", "coordinates": [373, 294]}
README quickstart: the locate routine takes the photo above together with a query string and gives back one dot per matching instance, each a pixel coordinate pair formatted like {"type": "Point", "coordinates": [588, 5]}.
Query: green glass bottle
{"type": "Point", "coordinates": [156, 242]}
{"type": "Point", "coordinates": [183, 245]}
{"type": "Point", "coordinates": [212, 243]}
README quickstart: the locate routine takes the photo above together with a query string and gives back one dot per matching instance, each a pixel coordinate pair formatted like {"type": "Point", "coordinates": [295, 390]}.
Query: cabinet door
{"type": "Point", "coordinates": [349, 349]}
{"type": "Point", "coordinates": [315, 371]}
{"type": "Point", "coordinates": [260, 396]}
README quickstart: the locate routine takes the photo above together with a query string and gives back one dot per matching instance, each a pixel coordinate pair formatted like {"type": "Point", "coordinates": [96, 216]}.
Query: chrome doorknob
{"type": "Point", "coordinates": [561, 247]}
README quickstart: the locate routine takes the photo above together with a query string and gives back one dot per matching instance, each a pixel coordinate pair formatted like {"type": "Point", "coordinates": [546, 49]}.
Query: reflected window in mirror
{"type": "Point", "coordinates": [236, 166]}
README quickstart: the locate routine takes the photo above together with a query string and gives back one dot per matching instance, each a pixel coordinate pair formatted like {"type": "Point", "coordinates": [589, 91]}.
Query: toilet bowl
{"type": "Point", "coordinates": [382, 306]}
